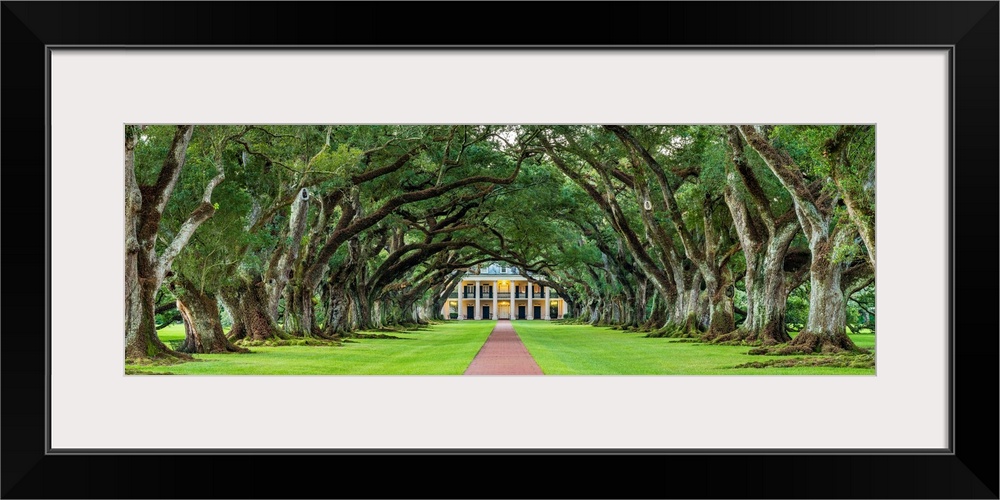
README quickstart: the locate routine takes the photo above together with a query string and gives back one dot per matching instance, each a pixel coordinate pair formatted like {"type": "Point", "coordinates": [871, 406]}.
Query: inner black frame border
{"type": "Point", "coordinates": [968, 30]}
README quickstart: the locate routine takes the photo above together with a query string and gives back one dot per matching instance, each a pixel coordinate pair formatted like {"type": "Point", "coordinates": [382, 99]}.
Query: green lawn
{"type": "Point", "coordinates": [587, 350]}
{"type": "Point", "coordinates": [445, 349]}
{"type": "Point", "coordinates": [173, 335]}
{"type": "Point", "coordinates": [448, 348]}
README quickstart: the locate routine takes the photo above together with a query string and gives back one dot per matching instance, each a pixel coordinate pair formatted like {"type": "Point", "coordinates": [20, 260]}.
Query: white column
{"type": "Point", "coordinates": [495, 292]}
{"type": "Point", "coordinates": [522, 298]}
{"type": "Point", "coordinates": [545, 308]}
{"type": "Point", "coordinates": [531, 296]}
{"type": "Point", "coordinates": [477, 312]}
{"type": "Point", "coordinates": [513, 300]}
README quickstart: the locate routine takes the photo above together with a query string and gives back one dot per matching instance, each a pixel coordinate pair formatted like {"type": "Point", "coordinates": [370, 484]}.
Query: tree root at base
{"type": "Point", "coordinates": [810, 343]}
{"type": "Point", "coordinates": [289, 342]}
{"type": "Point", "coordinates": [838, 361]}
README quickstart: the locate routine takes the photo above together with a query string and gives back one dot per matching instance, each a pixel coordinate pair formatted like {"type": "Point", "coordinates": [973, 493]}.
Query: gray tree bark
{"type": "Point", "coordinates": [825, 329]}
{"type": "Point", "coordinates": [143, 216]}
{"type": "Point", "coordinates": [203, 331]}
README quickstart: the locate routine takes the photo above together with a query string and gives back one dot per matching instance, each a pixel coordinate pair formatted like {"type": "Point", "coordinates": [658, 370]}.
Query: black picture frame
{"type": "Point", "coordinates": [968, 470]}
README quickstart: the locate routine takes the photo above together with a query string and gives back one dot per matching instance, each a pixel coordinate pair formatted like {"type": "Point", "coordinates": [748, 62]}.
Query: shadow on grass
{"type": "Point", "coordinates": [134, 371]}
{"type": "Point", "coordinates": [841, 361]}
{"type": "Point", "coordinates": [378, 336]}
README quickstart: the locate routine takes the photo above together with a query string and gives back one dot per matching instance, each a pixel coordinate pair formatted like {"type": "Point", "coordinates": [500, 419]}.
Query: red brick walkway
{"type": "Point", "coordinates": [503, 354]}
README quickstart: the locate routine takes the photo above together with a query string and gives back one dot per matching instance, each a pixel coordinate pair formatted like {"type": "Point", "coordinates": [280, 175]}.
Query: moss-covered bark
{"type": "Point", "coordinates": [203, 331]}
{"type": "Point", "coordinates": [251, 319]}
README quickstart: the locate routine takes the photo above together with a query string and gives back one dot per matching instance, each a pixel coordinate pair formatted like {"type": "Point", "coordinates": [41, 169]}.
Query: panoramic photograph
{"type": "Point", "coordinates": [499, 249]}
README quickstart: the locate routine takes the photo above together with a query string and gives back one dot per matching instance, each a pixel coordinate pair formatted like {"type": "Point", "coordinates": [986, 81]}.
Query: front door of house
{"type": "Point", "coordinates": [470, 312]}
{"type": "Point", "coordinates": [538, 312]}
{"type": "Point", "coordinates": [520, 312]}
{"type": "Point", "coordinates": [503, 312]}
{"type": "Point", "coordinates": [486, 312]}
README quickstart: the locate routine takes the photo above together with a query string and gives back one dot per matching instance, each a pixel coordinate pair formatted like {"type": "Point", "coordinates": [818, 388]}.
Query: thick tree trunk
{"type": "Point", "coordinates": [278, 275]}
{"type": "Point", "coordinates": [633, 309]}
{"type": "Point", "coordinates": [825, 330]}
{"type": "Point", "coordinates": [143, 342]}
{"type": "Point", "coordinates": [670, 301]}
{"type": "Point", "coordinates": [386, 313]}
{"type": "Point", "coordinates": [202, 327]}
{"type": "Point", "coordinates": [642, 298]}
{"type": "Point", "coordinates": [721, 318]}
{"type": "Point", "coordinates": [133, 202]}
{"type": "Point", "coordinates": [827, 296]}
{"type": "Point", "coordinates": [766, 301]}
{"type": "Point", "coordinates": [411, 313]}
{"type": "Point", "coordinates": [437, 303]}
{"type": "Point", "coordinates": [658, 315]}
{"type": "Point", "coordinates": [376, 320]}
{"type": "Point", "coordinates": [595, 311]}
{"type": "Point", "coordinates": [607, 315]}
{"type": "Point", "coordinates": [143, 217]}
{"type": "Point", "coordinates": [704, 312]}
{"type": "Point", "coordinates": [360, 311]}
{"type": "Point", "coordinates": [236, 330]}
{"type": "Point", "coordinates": [300, 313]}
{"type": "Point", "coordinates": [251, 319]}
{"type": "Point", "coordinates": [143, 272]}
{"type": "Point", "coordinates": [689, 326]}
{"type": "Point", "coordinates": [337, 308]}
{"type": "Point", "coordinates": [704, 254]}
{"type": "Point", "coordinates": [683, 319]}
{"type": "Point", "coordinates": [600, 314]}
{"type": "Point", "coordinates": [766, 294]}
{"type": "Point", "coordinates": [765, 241]}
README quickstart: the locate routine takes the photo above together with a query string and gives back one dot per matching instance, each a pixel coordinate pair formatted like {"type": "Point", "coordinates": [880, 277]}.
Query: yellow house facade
{"type": "Point", "coordinates": [499, 291]}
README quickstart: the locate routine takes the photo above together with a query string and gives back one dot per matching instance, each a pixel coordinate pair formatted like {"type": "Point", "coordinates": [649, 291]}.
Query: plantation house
{"type": "Point", "coordinates": [499, 291]}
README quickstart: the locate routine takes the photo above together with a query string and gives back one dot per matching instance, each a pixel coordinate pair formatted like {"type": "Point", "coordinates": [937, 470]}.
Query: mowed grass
{"type": "Point", "coordinates": [448, 348]}
{"type": "Point", "coordinates": [173, 335]}
{"type": "Point", "coordinates": [561, 349]}
{"type": "Point", "coordinates": [443, 349]}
